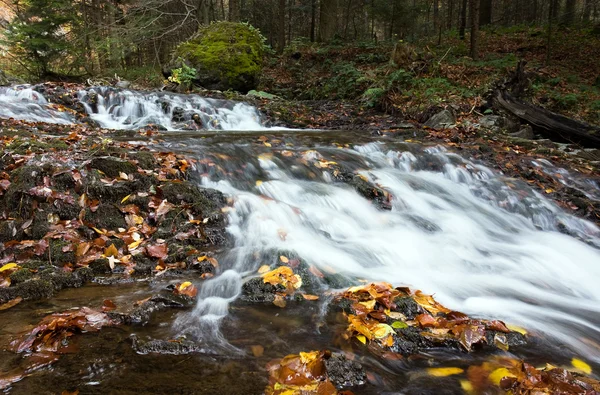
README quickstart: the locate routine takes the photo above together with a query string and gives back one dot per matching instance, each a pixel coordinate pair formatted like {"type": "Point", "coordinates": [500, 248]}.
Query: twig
{"type": "Point", "coordinates": [443, 57]}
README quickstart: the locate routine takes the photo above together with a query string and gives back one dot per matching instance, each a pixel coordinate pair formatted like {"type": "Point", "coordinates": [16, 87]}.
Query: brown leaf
{"type": "Point", "coordinates": [11, 303]}
{"type": "Point", "coordinates": [108, 305]}
{"type": "Point", "coordinates": [159, 251]}
{"type": "Point", "coordinates": [279, 301]}
{"type": "Point", "coordinates": [186, 288]}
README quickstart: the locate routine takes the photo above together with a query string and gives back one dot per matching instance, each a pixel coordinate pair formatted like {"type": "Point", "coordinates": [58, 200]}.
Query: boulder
{"type": "Point", "coordinates": [224, 55]}
{"type": "Point", "coordinates": [526, 132]}
{"type": "Point", "coordinates": [499, 123]}
{"type": "Point", "coordinates": [441, 120]}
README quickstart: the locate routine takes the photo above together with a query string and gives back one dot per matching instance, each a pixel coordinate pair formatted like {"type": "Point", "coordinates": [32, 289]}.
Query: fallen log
{"type": "Point", "coordinates": [506, 97]}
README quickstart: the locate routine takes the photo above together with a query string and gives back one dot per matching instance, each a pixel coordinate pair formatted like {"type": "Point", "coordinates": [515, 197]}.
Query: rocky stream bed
{"type": "Point", "coordinates": [116, 255]}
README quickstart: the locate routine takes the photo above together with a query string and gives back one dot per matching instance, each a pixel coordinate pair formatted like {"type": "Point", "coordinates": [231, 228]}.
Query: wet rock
{"type": "Point", "coordinates": [345, 373]}
{"type": "Point", "coordinates": [145, 160]}
{"type": "Point", "coordinates": [29, 290]}
{"type": "Point", "coordinates": [107, 216]}
{"type": "Point", "coordinates": [441, 120]}
{"type": "Point", "coordinates": [112, 167]}
{"type": "Point", "coordinates": [367, 190]}
{"type": "Point", "coordinates": [256, 290]}
{"type": "Point", "coordinates": [204, 200]}
{"type": "Point", "coordinates": [407, 306]}
{"type": "Point", "coordinates": [409, 341]}
{"type": "Point", "coordinates": [155, 346]}
{"type": "Point", "coordinates": [142, 314]}
{"type": "Point", "coordinates": [526, 132]}
{"type": "Point", "coordinates": [58, 252]}
{"type": "Point", "coordinates": [99, 266]}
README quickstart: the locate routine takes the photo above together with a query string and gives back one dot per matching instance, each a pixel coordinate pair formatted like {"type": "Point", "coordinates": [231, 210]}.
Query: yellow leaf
{"type": "Point", "coordinates": [135, 244]}
{"type": "Point", "coordinates": [582, 366]}
{"type": "Point", "coordinates": [515, 328]}
{"type": "Point", "coordinates": [8, 266]}
{"type": "Point", "coordinates": [184, 285]}
{"type": "Point", "coordinates": [125, 198]}
{"type": "Point", "coordinates": [284, 259]}
{"type": "Point", "coordinates": [111, 251]}
{"type": "Point", "coordinates": [370, 304]}
{"type": "Point", "coordinates": [267, 144]}
{"type": "Point", "coordinates": [466, 386]}
{"type": "Point", "coordinates": [443, 372]}
{"type": "Point", "coordinates": [263, 269]}
{"type": "Point", "coordinates": [123, 176]}
{"type": "Point", "coordinates": [258, 183]}
{"type": "Point", "coordinates": [99, 231]}
{"type": "Point", "coordinates": [308, 357]}
{"type": "Point", "coordinates": [362, 339]}
{"type": "Point", "coordinates": [382, 330]}
{"type": "Point", "coordinates": [499, 374]}
{"type": "Point", "coordinates": [549, 190]}
{"type": "Point", "coordinates": [201, 258]}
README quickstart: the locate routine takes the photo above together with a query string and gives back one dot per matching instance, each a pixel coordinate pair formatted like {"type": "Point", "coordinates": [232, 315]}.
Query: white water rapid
{"type": "Point", "coordinates": [23, 103]}
{"type": "Point", "coordinates": [125, 109]}
{"type": "Point", "coordinates": [483, 244]}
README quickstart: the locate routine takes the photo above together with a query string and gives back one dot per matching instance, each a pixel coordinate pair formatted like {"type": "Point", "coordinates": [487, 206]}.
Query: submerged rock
{"type": "Point", "coordinates": [171, 347]}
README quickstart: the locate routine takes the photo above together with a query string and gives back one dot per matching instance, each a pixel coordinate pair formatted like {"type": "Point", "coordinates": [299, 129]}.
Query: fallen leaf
{"type": "Point", "coordinates": [581, 365]}
{"type": "Point", "coordinates": [257, 350]}
{"type": "Point", "coordinates": [310, 297]}
{"type": "Point", "coordinates": [11, 303]}
{"type": "Point", "coordinates": [444, 372]}
{"type": "Point", "coordinates": [159, 251]}
{"type": "Point", "coordinates": [111, 251]}
{"type": "Point", "coordinates": [263, 269]}
{"type": "Point", "coordinates": [279, 301]}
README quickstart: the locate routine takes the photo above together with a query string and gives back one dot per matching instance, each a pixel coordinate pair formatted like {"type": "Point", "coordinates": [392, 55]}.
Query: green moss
{"type": "Point", "coordinates": [226, 55]}
{"type": "Point", "coordinates": [113, 167]}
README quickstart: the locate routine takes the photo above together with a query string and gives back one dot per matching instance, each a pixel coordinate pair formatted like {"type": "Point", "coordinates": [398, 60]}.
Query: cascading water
{"type": "Point", "coordinates": [124, 109]}
{"type": "Point", "coordinates": [482, 244]}
{"type": "Point", "coordinates": [23, 103]}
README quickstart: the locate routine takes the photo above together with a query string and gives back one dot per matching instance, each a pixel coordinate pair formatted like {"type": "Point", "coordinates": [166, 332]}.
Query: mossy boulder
{"type": "Point", "coordinates": [226, 55]}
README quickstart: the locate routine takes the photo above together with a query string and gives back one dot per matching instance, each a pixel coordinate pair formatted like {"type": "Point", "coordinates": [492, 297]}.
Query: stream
{"type": "Point", "coordinates": [483, 244]}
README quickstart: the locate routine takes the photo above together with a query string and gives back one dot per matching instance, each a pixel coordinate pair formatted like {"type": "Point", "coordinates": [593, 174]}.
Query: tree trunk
{"type": "Point", "coordinates": [281, 27]}
{"type": "Point", "coordinates": [450, 14]}
{"type": "Point", "coordinates": [475, 29]}
{"type": "Point", "coordinates": [328, 20]}
{"type": "Point", "coordinates": [463, 19]}
{"type": "Point", "coordinates": [569, 14]}
{"type": "Point", "coordinates": [485, 12]}
{"type": "Point", "coordinates": [587, 10]}
{"type": "Point", "coordinates": [551, 16]}
{"type": "Point", "coordinates": [313, 19]}
{"type": "Point", "coordinates": [234, 10]}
